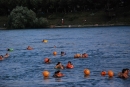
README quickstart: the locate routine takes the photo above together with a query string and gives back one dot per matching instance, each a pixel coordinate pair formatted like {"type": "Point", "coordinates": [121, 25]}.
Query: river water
{"type": "Point", "coordinates": [108, 49]}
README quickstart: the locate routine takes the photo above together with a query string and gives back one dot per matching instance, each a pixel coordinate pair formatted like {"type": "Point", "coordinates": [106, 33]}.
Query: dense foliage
{"type": "Point", "coordinates": [35, 10]}
{"type": "Point", "coordinates": [51, 6]}
{"type": "Point", "coordinates": [22, 17]}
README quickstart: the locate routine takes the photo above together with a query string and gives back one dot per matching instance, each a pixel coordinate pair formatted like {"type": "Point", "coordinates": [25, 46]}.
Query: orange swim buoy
{"type": "Point", "coordinates": [45, 73]}
{"type": "Point", "coordinates": [103, 73]}
{"type": "Point", "coordinates": [86, 71]}
{"type": "Point", "coordinates": [54, 53]}
{"type": "Point", "coordinates": [110, 73]}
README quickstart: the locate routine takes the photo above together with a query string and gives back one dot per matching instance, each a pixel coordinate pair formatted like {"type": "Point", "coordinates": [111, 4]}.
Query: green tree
{"type": "Point", "coordinates": [42, 22]}
{"type": "Point", "coordinates": [22, 17]}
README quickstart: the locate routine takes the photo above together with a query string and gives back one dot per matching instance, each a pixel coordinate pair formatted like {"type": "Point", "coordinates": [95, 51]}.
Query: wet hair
{"type": "Point", "coordinates": [69, 61]}
{"type": "Point", "coordinates": [127, 69]}
{"type": "Point", "coordinates": [62, 52]}
{"type": "Point", "coordinates": [123, 70]}
{"type": "Point", "coordinates": [1, 55]}
{"type": "Point", "coordinates": [57, 72]}
{"type": "Point", "coordinates": [58, 63]}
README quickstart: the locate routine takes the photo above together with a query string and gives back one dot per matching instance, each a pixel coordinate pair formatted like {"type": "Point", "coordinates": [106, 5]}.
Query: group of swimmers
{"type": "Point", "coordinates": [7, 54]}
{"type": "Point", "coordinates": [124, 74]}
{"type": "Point", "coordinates": [3, 57]}
{"type": "Point", "coordinates": [60, 66]}
{"type": "Point", "coordinates": [84, 55]}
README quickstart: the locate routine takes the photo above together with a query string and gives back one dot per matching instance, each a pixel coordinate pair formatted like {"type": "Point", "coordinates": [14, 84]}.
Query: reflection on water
{"type": "Point", "coordinates": [46, 80]}
{"type": "Point", "coordinates": [58, 79]}
{"type": "Point", "coordinates": [108, 48]}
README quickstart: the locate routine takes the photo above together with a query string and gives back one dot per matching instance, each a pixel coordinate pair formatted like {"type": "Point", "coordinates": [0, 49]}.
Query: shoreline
{"type": "Point", "coordinates": [77, 26]}
{"type": "Point", "coordinates": [83, 26]}
{"type": "Point", "coordinates": [1, 28]}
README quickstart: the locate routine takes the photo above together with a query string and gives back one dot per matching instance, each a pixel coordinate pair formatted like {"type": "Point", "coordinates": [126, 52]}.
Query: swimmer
{"type": "Point", "coordinates": [47, 60]}
{"type": "Point", "coordinates": [84, 55]}
{"type": "Point", "coordinates": [29, 48]}
{"type": "Point", "coordinates": [45, 41]}
{"type": "Point", "coordinates": [124, 74]}
{"type": "Point", "coordinates": [63, 53]}
{"type": "Point", "coordinates": [77, 55]}
{"type": "Point", "coordinates": [69, 65]}
{"type": "Point", "coordinates": [8, 49]}
{"type": "Point", "coordinates": [6, 55]}
{"type": "Point", "coordinates": [59, 66]}
{"type": "Point", "coordinates": [58, 74]}
{"type": "Point", "coordinates": [1, 57]}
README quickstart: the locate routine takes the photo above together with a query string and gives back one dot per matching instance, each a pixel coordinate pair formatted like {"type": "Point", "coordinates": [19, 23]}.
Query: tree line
{"type": "Point", "coordinates": [25, 13]}
{"type": "Point", "coordinates": [52, 6]}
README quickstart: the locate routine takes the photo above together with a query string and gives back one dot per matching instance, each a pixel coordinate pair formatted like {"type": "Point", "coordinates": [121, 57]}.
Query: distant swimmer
{"type": "Point", "coordinates": [59, 66]}
{"type": "Point", "coordinates": [29, 48]}
{"type": "Point", "coordinates": [47, 60]}
{"type": "Point", "coordinates": [84, 55]}
{"type": "Point", "coordinates": [6, 55]}
{"type": "Point", "coordinates": [1, 57]}
{"type": "Point", "coordinates": [124, 74]}
{"type": "Point", "coordinates": [69, 65]}
{"type": "Point", "coordinates": [10, 49]}
{"type": "Point", "coordinates": [77, 55]}
{"type": "Point", "coordinates": [58, 74]}
{"type": "Point", "coordinates": [45, 41]}
{"type": "Point", "coordinates": [63, 53]}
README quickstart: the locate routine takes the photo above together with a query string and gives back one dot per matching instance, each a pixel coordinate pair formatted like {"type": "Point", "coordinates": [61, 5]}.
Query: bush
{"type": "Point", "coordinates": [22, 17]}
{"type": "Point", "coordinates": [42, 22]}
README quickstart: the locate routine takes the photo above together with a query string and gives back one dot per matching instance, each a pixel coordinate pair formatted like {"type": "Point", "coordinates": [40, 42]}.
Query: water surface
{"type": "Point", "coordinates": [108, 49]}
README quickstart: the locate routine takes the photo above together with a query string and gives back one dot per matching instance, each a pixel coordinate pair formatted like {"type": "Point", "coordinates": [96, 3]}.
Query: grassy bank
{"type": "Point", "coordinates": [82, 18]}
{"type": "Point", "coordinates": [87, 18]}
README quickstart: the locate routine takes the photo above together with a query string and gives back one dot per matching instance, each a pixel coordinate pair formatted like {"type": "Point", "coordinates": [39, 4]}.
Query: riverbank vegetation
{"type": "Point", "coordinates": [69, 12]}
